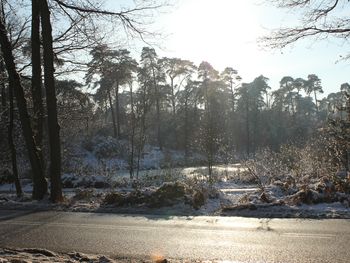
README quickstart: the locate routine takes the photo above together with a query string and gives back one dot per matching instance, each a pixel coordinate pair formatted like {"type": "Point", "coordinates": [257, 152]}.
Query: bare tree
{"type": "Point", "coordinates": [51, 102]}
{"type": "Point", "coordinates": [10, 119]}
{"type": "Point", "coordinates": [132, 133]}
{"type": "Point", "coordinates": [16, 86]}
{"type": "Point", "coordinates": [12, 145]}
{"type": "Point", "coordinates": [319, 20]}
{"type": "Point", "coordinates": [90, 24]}
{"type": "Point", "coordinates": [36, 87]}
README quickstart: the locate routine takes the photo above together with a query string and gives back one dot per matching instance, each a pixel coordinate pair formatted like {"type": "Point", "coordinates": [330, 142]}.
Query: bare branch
{"type": "Point", "coordinates": [121, 14]}
{"type": "Point", "coordinates": [318, 13]}
{"type": "Point", "coordinates": [319, 19]}
{"type": "Point", "coordinates": [20, 34]}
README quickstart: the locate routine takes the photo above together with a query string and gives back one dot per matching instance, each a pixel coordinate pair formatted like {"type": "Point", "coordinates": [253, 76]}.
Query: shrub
{"type": "Point", "coordinates": [106, 147]}
{"type": "Point", "coordinates": [293, 166]}
{"type": "Point", "coordinates": [114, 198]}
{"type": "Point", "coordinates": [83, 194]}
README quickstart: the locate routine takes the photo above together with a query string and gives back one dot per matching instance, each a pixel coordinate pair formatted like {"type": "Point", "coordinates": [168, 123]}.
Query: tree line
{"type": "Point", "coordinates": [172, 103]}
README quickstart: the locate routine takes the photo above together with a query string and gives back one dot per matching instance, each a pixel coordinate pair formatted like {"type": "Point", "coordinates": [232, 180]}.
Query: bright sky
{"type": "Point", "coordinates": [225, 33]}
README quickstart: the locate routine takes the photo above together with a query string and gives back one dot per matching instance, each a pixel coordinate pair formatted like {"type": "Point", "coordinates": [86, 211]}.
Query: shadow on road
{"type": "Point", "coordinates": [12, 214]}
{"type": "Point", "coordinates": [150, 214]}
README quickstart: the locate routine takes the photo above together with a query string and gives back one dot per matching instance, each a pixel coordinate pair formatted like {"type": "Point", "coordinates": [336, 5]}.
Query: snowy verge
{"type": "Point", "coordinates": [319, 211]}
{"type": "Point", "coordinates": [230, 200]}
{"type": "Point", "coordinates": [27, 255]}
{"type": "Point", "coordinates": [187, 192]}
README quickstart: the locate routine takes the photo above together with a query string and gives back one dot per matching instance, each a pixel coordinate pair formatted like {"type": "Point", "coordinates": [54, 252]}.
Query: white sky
{"type": "Point", "coordinates": [225, 32]}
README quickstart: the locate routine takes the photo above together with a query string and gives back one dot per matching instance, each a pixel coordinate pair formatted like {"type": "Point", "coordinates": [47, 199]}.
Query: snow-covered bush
{"type": "Point", "coordinates": [293, 167]}
{"type": "Point", "coordinates": [74, 181]}
{"type": "Point", "coordinates": [167, 194]}
{"type": "Point", "coordinates": [107, 147]}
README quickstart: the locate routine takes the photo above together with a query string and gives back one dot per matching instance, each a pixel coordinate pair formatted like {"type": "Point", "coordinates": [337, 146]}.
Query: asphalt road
{"type": "Point", "coordinates": [207, 238]}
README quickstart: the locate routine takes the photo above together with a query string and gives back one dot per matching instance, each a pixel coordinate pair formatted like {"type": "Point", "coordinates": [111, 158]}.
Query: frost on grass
{"type": "Point", "coordinates": [294, 181]}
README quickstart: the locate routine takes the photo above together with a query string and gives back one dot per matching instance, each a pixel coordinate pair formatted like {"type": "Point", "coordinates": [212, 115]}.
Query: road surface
{"type": "Point", "coordinates": [191, 238]}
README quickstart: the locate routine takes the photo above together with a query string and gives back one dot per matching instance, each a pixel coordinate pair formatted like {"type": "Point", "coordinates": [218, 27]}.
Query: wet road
{"type": "Point", "coordinates": [207, 238]}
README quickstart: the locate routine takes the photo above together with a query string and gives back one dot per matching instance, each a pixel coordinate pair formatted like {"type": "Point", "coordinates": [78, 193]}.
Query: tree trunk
{"type": "Point", "coordinates": [3, 86]}
{"type": "Point", "coordinates": [173, 103]}
{"type": "Point", "coordinates": [247, 129]}
{"type": "Point", "coordinates": [12, 147]}
{"type": "Point", "coordinates": [106, 111]}
{"type": "Point", "coordinates": [3, 95]}
{"type": "Point", "coordinates": [10, 130]}
{"type": "Point", "coordinates": [113, 117]}
{"type": "Point", "coordinates": [51, 102]}
{"type": "Point", "coordinates": [233, 114]}
{"type": "Point", "coordinates": [142, 132]}
{"type": "Point", "coordinates": [292, 105]}
{"type": "Point", "coordinates": [36, 80]}
{"type": "Point", "coordinates": [186, 129]}
{"type": "Point", "coordinates": [159, 136]}
{"type": "Point", "coordinates": [233, 96]}
{"type": "Point", "coordinates": [209, 145]}
{"type": "Point", "coordinates": [173, 96]}
{"type": "Point", "coordinates": [255, 136]}
{"type": "Point", "coordinates": [156, 91]}
{"type": "Point", "coordinates": [39, 182]}
{"type": "Point", "coordinates": [117, 113]}
{"type": "Point", "coordinates": [316, 101]}
{"type": "Point", "coordinates": [132, 136]}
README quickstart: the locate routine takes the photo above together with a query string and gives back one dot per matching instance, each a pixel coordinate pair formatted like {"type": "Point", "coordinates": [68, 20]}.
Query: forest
{"type": "Point", "coordinates": [68, 94]}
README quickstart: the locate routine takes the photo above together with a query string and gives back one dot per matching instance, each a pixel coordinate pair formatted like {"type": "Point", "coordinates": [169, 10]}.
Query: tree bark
{"type": "Point", "coordinates": [157, 95]}
{"type": "Point", "coordinates": [173, 95]}
{"type": "Point", "coordinates": [3, 86]}
{"type": "Point", "coordinates": [105, 104]}
{"type": "Point", "coordinates": [159, 136]}
{"type": "Point", "coordinates": [142, 138]}
{"type": "Point", "coordinates": [113, 117]}
{"type": "Point", "coordinates": [316, 101]}
{"type": "Point", "coordinates": [10, 129]}
{"type": "Point", "coordinates": [39, 183]}
{"type": "Point", "coordinates": [247, 129]}
{"type": "Point", "coordinates": [3, 95]}
{"type": "Point", "coordinates": [36, 80]}
{"type": "Point", "coordinates": [117, 113]}
{"type": "Point", "coordinates": [12, 146]}
{"type": "Point", "coordinates": [132, 136]}
{"type": "Point", "coordinates": [186, 129]}
{"type": "Point", "coordinates": [53, 126]}
{"type": "Point", "coordinates": [233, 96]}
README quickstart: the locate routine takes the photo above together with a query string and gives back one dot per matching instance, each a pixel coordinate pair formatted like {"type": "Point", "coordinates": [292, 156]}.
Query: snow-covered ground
{"type": "Point", "coordinates": [27, 255]}
{"type": "Point", "coordinates": [229, 195]}
{"type": "Point", "coordinates": [108, 156]}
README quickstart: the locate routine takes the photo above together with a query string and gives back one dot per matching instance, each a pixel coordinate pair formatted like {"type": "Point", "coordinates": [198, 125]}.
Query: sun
{"type": "Point", "coordinates": [222, 32]}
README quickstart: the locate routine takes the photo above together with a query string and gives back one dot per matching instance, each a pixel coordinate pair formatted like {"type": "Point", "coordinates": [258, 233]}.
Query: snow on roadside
{"type": "Point", "coordinates": [27, 255]}
{"type": "Point", "coordinates": [319, 211]}
{"type": "Point", "coordinates": [273, 202]}
{"type": "Point", "coordinates": [228, 203]}
{"type": "Point", "coordinates": [87, 194]}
